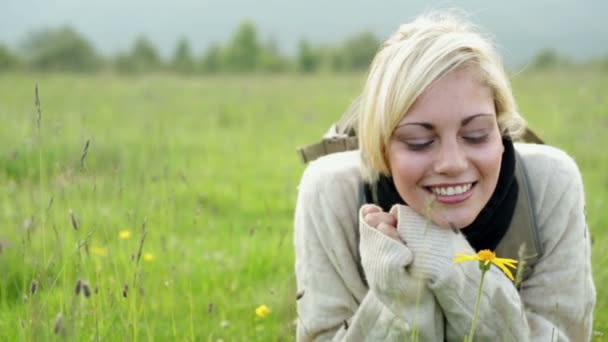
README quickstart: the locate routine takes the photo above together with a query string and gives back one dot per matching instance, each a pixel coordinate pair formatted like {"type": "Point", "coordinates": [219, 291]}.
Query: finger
{"type": "Point", "coordinates": [369, 208]}
{"type": "Point", "coordinates": [395, 211]}
{"type": "Point", "coordinates": [389, 231]}
{"type": "Point", "coordinates": [374, 219]}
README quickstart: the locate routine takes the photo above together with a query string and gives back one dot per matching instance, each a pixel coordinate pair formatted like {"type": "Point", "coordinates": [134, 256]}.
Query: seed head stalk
{"type": "Point", "coordinates": [40, 172]}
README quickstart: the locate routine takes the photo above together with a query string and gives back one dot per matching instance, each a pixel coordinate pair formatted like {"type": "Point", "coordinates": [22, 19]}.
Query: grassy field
{"type": "Point", "coordinates": [177, 216]}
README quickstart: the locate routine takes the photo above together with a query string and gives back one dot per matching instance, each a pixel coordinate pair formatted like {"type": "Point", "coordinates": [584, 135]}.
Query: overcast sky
{"type": "Point", "coordinates": [522, 27]}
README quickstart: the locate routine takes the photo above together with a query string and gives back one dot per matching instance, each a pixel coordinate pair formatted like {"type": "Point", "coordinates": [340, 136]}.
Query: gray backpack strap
{"type": "Point", "coordinates": [362, 201]}
{"type": "Point", "coordinates": [332, 142]}
{"type": "Point", "coordinates": [342, 136]}
{"type": "Point", "coordinates": [523, 230]}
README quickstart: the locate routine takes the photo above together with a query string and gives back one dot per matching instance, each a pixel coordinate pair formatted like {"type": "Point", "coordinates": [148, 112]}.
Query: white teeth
{"type": "Point", "coordinates": [451, 190]}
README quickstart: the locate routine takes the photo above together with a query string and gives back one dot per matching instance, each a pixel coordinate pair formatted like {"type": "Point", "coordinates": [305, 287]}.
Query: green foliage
{"type": "Point", "coordinates": [244, 50]}
{"type": "Point", "coordinates": [359, 51]}
{"type": "Point", "coordinates": [354, 55]}
{"type": "Point", "coordinates": [145, 53]}
{"type": "Point", "coordinates": [212, 60]}
{"type": "Point", "coordinates": [601, 64]}
{"type": "Point", "coordinates": [63, 49]}
{"type": "Point", "coordinates": [8, 60]}
{"type": "Point", "coordinates": [183, 62]}
{"type": "Point", "coordinates": [309, 60]}
{"type": "Point", "coordinates": [271, 59]}
{"type": "Point", "coordinates": [549, 58]}
{"type": "Point", "coordinates": [336, 59]}
{"type": "Point", "coordinates": [142, 58]}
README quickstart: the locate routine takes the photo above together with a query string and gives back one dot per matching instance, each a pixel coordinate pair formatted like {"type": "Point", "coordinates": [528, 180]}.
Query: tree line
{"type": "Point", "coordinates": [66, 50]}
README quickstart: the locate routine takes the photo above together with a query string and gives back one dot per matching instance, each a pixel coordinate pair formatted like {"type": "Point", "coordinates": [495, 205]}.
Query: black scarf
{"type": "Point", "coordinates": [490, 226]}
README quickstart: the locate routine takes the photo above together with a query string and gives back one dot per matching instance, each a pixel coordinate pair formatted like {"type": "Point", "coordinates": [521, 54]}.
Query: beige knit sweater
{"type": "Point", "coordinates": [415, 288]}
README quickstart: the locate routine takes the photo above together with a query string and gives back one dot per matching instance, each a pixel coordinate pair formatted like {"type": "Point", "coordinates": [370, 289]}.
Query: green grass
{"type": "Point", "coordinates": [207, 167]}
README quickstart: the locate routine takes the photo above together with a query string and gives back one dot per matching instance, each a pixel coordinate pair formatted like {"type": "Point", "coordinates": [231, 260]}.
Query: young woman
{"type": "Point", "coordinates": [436, 126]}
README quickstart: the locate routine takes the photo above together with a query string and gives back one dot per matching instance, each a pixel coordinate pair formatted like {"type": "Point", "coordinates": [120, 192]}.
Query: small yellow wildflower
{"type": "Point", "coordinates": [148, 256]}
{"type": "Point", "coordinates": [485, 257]}
{"type": "Point", "coordinates": [99, 251]}
{"type": "Point", "coordinates": [262, 311]}
{"type": "Point", "coordinates": [124, 234]}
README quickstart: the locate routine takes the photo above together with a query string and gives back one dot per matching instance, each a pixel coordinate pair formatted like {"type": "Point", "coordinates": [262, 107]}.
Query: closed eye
{"type": "Point", "coordinates": [418, 146]}
{"type": "Point", "coordinates": [476, 139]}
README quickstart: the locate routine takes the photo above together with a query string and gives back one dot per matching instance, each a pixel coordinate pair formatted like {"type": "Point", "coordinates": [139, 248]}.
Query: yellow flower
{"type": "Point", "coordinates": [262, 311]}
{"type": "Point", "coordinates": [148, 256]}
{"type": "Point", "coordinates": [100, 251]}
{"type": "Point", "coordinates": [485, 257]}
{"type": "Point", "coordinates": [124, 234]}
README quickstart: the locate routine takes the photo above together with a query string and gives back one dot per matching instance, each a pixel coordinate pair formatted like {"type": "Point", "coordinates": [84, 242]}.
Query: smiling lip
{"type": "Point", "coordinates": [452, 199]}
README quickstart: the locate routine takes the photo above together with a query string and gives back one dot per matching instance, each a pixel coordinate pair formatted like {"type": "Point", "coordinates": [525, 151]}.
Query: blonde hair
{"type": "Point", "coordinates": [415, 56]}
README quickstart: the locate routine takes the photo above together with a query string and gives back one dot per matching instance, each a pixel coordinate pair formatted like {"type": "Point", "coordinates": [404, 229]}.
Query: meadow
{"type": "Point", "coordinates": [160, 207]}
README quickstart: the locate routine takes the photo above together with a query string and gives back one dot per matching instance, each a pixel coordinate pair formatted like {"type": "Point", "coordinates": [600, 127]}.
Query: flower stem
{"type": "Point", "coordinates": [474, 323]}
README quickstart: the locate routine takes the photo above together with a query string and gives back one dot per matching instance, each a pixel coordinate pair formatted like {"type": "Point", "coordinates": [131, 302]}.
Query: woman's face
{"type": "Point", "coordinates": [447, 150]}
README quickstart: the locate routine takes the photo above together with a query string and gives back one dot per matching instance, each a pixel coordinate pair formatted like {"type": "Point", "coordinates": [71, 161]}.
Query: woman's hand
{"type": "Point", "coordinates": [384, 222]}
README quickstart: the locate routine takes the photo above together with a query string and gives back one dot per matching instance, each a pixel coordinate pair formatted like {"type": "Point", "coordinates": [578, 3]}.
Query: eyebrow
{"type": "Point", "coordinates": [430, 126]}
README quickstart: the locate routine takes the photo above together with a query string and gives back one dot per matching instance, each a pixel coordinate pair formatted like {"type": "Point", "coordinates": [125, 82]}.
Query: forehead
{"type": "Point", "coordinates": [456, 95]}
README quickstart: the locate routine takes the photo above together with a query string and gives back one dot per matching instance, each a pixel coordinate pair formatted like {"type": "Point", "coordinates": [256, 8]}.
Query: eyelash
{"type": "Point", "coordinates": [476, 140]}
{"type": "Point", "coordinates": [470, 140]}
{"type": "Point", "coordinates": [418, 147]}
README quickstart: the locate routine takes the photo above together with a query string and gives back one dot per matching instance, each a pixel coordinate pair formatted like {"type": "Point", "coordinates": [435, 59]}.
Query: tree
{"type": "Point", "coordinates": [337, 59]}
{"type": "Point", "coordinates": [604, 63]}
{"type": "Point", "coordinates": [63, 49]}
{"type": "Point", "coordinates": [182, 58]}
{"type": "Point", "coordinates": [212, 60]}
{"type": "Point", "coordinates": [308, 59]}
{"type": "Point", "coordinates": [142, 58]}
{"type": "Point", "coordinates": [145, 54]}
{"type": "Point", "coordinates": [271, 59]}
{"type": "Point", "coordinates": [359, 51]}
{"type": "Point", "coordinates": [8, 60]}
{"type": "Point", "coordinates": [243, 52]}
{"type": "Point", "coordinates": [549, 58]}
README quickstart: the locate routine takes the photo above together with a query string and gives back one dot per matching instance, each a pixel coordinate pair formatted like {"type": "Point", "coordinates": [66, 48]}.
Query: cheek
{"type": "Point", "coordinates": [489, 161]}
{"type": "Point", "coordinates": [407, 168]}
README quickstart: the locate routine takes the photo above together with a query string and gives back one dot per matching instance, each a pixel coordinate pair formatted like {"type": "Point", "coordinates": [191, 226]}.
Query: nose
{"type": "Point", "coordinates": [451, 159]}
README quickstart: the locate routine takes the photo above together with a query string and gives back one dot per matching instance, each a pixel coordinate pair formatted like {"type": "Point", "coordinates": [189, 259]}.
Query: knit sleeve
{"type": "Point", "coordinates": [556, 300]}
{"type": "Point", "coordinates": [335, 303]}
{"type": "Point", "coordinates": [560, 295]}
